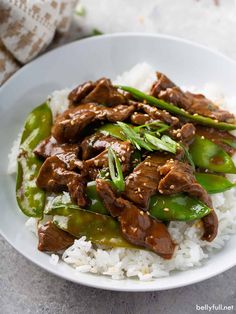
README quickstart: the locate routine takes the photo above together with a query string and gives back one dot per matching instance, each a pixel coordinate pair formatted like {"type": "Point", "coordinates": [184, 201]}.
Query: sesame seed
{"type": "Point", "coordinates": [139, 190]}
{"type": "Point", "coordinates": [166, 209]}
{"type": "Point", "coordinates": [202, 137]}
{"type": "Point", "coordinates": [123, 158]}
{"type": "Point", "coordinates": [140, 195]}
{"type": "Point", "coordinates": [161, 191]}
{"type": "Point", "coordinates": [141, 212]}
{"type": "Point", "coordinates": [172, 186]}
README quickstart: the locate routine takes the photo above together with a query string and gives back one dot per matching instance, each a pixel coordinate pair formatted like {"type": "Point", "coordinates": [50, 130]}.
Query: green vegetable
{"type": "Point", "coordinates": [230, 142]}
{"type": "Point", "coordinates": [60, 205]}
{"type": "Point", "coordinates": [157, 126]}
{"type": "Point", "coordinates": [97, 228]}
{"type": "Point", "coordinates": [165, 143]}
{"type": "Point", "coordinates": [177, 111]}
{"type": "Point", "coordinates": [181, 206]}
{"type": "Point", "coordinates": [213, 183]}
{"type": "Point", "coordinates": [136, 158]}
{"type": "Point", "coordinates": [113, 130]}
{"type": "Point", "coordinates": [96, 204]}
{"type": "Point", "coordinates": [37, 127]}
{"type": "Point", "coordinates": [115, 170]}
{"type": "Point", "coordinates": [208, 155]}
{"type": "Point", "coordinates": [134, 137]}
{"type": "Point", "coordinates": [148, 141]}
{"type": "Point", "coordinates": [188, 156]}
{"type": "Point", "coordinates": [177, 207]}
{"type": "Point", "coordinates": [163, 207]}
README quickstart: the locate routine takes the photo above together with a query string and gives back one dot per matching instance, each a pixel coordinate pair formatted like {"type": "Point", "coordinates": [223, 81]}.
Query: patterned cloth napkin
{"type": "Point", "coordinates": [26, 29]}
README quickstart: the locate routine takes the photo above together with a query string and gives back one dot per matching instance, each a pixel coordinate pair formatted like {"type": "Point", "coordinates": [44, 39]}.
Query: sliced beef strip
{"type": "Point", "coordinates": [158, 115]}
{"type": "Point", "coordinates": [218, 137]}
{"type": "Point", "coordinates": [143, 182]}
{"type": "Point", "coordinates": [98, 142]}
{"type": "Point", "coordinates": [53, 239]}
{"type": "Point", "coordinates": [140, 118]}
{"type": "Point", "coordinates": [68, 126]}
{"type": "Point", "coordinates": [185, 133]}
{"type": "Point", "coordinates": [210, 225]}
{"type": "Point", "coordinates": [137, 226]}
{"type": "Point", "coordinates": [123, 150]}
{"type": "Point", "coordinates": [54, 177]}
{"type": "Point", "coordinates": [193, 103]}
{"type": "Point", "coordinates": [105, 93]}
{"type": "Point", "coordinates": [178, 177]}
{"type": "Point", "coordinates": [101, 92]}
{"type": "Point", "coordinates": [92, 167]}
{"type": "Point", "coordinates": [80, 92]}
{"type": "Point", "coordinates": [68, 153]}
{"type": "Point", "coordinates": [87, 146]}
{"type": "Point", "coordinates": [162, 83]}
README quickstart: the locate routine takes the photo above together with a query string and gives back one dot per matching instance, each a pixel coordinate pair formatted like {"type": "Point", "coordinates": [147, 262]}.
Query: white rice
{"type": "Point", "coordinates": [191, 250]}
{"type": "Point", "coordinates": [59, 101]}
{"type": "Point", "coordinates": [141, 76]}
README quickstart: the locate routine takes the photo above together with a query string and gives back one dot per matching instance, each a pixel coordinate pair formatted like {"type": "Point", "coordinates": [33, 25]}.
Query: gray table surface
{"type": "Point", "coordinates": [29, 289]}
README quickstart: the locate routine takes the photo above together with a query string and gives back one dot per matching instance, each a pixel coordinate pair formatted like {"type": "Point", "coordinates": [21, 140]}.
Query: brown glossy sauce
{"type": "Point", "coordinates": [217, 160]}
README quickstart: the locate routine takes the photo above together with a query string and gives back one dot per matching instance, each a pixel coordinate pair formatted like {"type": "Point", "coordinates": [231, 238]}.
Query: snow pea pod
{"type": "Point", "coordinates": [97, 228]}
{"type": "Point", "coordinates": [177, 207]}
{"type": "Point", "coordinates": [176, 110]}
{"type": "Point", "coordinates": [213, 183]}
{"type": "Point", "coordinates": [163, 207]}
{"type": "Point", "coordinates": [96, 204]}
{"type": "Point", "coordinates": [113, 130]}
{"type": "Point", "coordinates": [30, 198]}
{"type": "Point", "coordinates": [208, 155]}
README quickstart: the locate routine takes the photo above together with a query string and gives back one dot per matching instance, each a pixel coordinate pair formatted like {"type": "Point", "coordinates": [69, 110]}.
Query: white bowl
{"type": "Point", "coordinates": [108, 55]}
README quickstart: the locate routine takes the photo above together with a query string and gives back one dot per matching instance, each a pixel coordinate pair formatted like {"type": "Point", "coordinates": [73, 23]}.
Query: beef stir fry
{"type": "Point", "coordinates": [131, 163]}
